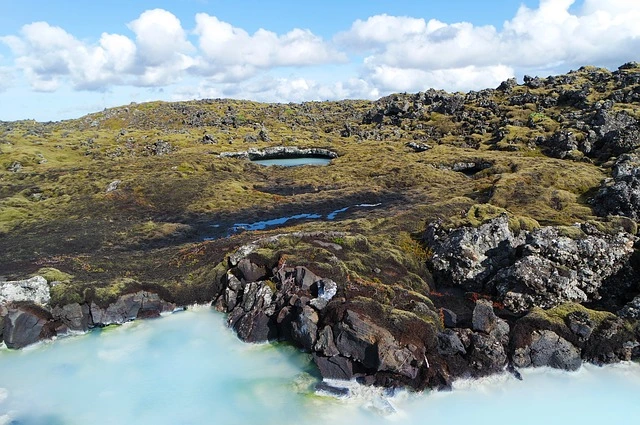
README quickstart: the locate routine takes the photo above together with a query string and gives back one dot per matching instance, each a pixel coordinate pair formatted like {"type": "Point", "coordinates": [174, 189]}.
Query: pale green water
{"type": "Point", "coordinates": [188, 368]}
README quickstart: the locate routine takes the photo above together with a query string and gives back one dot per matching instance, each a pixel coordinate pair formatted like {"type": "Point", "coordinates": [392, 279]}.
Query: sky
{"type": "Point", "coordinates": [63, 59]}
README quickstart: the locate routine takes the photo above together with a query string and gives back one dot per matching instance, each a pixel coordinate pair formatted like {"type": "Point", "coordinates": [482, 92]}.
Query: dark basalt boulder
{"type": "Point", "coordinates": [564, 144]}
{"type": "Point", "coordinates": [304, 328]}
{"type": "Point", "coordinates": [335, 367]}
{"type": "Point", "coordinates": [617, 132]}
{"type": "Point", "coordinates": [484, 319]}
{"type": "Point", "coordinates": [74, 317]}
{"type": "Point", "coordinates": [580, 324]}
{"type": "Point", "coordinates": [450, 344]}
{"type": "Point", "coordinates": [486, 355]}
{"type": "Point", "coordinates": [141, 304]}
{"type": "Point", "coordinates": [611, 342]}
{"type": "Point", "coordinates": [621, 194]}
{"type": "Point", "coordinates": [548, 349]}
{"type": "Point", "coordinates": [26, 324]}
{"type": "Point", "coordinates": [250, 271]}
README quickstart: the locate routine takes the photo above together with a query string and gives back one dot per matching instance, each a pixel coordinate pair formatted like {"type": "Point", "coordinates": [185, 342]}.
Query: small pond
{"type": "Point", "coordinates": [294, 162]}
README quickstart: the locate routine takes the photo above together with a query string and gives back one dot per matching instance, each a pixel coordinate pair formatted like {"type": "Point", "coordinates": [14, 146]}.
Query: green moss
{"type": "Point", "coordinates": [561, 312]}
{"type": "Point", "coordinates": [53, 275]}
{"type": "Point", "coordinates": [63, 294]}
{"type": "Point", "coordinates": [479, 214]}
{"type": "Point", "coordinates": [558, 315]}
{"type": "Point", "coordinates": [572, 232]}
{"type": "Point", "coordinates": [106, 295]}
{"type": "Point", "coordinates": [136, 230]}
{"type": "Point", "coordinates": [615, 224]}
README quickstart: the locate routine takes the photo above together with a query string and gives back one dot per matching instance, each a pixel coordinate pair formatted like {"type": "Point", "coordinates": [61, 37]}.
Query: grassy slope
{"type": "Point", "coordinates": [56, 212]}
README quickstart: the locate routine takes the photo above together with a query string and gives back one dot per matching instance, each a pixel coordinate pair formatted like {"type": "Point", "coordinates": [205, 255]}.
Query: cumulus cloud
{"type": "Point", "coordinates": [404, 53]}
{"type": "Point", "coordinates": [162, 48]}
{"type": "Point", "coordinates": [159, 53]}
{"type": "Point", "coordinates": [232, 54]}
{"type": "Point", "coordinates": [395, 79]}
{"type": "Point", "coordinates": [159, 37]}
{"type": "Point", "coordinates": [401, 53]}
{"type": "Point", "coordinates": [282, 90]}
{"type": "Point", "coordinates": [47, 55]}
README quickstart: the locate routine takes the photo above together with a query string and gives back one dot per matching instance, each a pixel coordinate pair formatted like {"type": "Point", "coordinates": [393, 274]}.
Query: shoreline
{"type": "Point", "coordinates": [368, 404]}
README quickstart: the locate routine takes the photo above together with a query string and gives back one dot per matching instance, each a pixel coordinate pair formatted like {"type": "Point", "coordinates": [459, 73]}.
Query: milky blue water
{"type": "Point", "coordinates": [188, 368]}
{"type": "Point", "coordinates": [294, 162]}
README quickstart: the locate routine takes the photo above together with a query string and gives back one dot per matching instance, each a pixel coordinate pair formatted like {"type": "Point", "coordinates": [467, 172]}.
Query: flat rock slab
{"type": "Point", "coordinates": [35, 290]}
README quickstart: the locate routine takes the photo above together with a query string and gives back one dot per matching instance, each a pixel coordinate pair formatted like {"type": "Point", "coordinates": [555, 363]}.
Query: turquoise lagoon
{"type": "Point", "coordinates": [188, 368]}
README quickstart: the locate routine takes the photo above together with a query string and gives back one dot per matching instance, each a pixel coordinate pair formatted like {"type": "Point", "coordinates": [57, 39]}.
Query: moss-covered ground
{"type": "Point", "coordinates": [174, 190]}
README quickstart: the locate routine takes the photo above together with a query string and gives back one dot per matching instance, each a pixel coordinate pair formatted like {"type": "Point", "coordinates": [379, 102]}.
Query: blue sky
{"type": "Point", "coordinates": [61, 60]}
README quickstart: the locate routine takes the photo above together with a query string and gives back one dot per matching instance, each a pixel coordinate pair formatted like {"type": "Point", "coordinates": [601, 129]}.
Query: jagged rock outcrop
{"type": "Point", "coordinates": [554, 268]}
{"type": "Point", "coordinates": [621, 194]}
{"type": "Point", "coordinates": [618, 132]}
{"type": "Point", "coordinates": [563, 337]}
{"type": "Point", "coordinates": [346, 339]}
{"type": "Point", "coordinates": [540, 268]}
{"type": "Point", "coordinates": [479, 351]}
{"type": "Point", "coordinates": [612, 341]}
{"type": "Point", "coordinates": [563, 144]}
{"type": "Point", "coordinates": [469, 257]}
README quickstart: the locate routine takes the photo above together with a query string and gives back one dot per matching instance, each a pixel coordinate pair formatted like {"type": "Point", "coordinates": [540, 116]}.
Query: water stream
{"type": "Point", "coordinates": [188, 368]}
{"type": "Point", "coordinates": [278, 221]}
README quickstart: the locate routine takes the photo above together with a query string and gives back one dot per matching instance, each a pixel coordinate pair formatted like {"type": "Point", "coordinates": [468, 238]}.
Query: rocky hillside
{"type": "Point", "coordinates": [451, 235]}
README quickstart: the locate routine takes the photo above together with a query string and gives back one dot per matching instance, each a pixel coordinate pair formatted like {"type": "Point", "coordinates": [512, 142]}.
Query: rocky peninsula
{"type": "Point", "coordinates": [505, 236]}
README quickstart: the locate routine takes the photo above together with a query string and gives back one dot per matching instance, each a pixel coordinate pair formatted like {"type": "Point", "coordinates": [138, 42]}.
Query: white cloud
{"type": "Point", "coordinates": [232, 54]}
{"type": "Point", "coordinates": [411, 54]}
{"type": "Point", "coordinates": [379, 30]}
{"type": "Point", "coordinates": [160, 53]}
{"type": "Point", "coordinates": [282, 90]}
{"type": "Point", "coordinates": [47, 55]}
{"type": "Point", "coordinates": [159, 37]}
{"type": "Point", "coordinates": [6, 78]}
{"type": "Point", "coordinates": [394, 79]}
{"type": "Point", "coordinates": [401, 53]}
{"type": "Point", "coordinates": [162, 49]}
